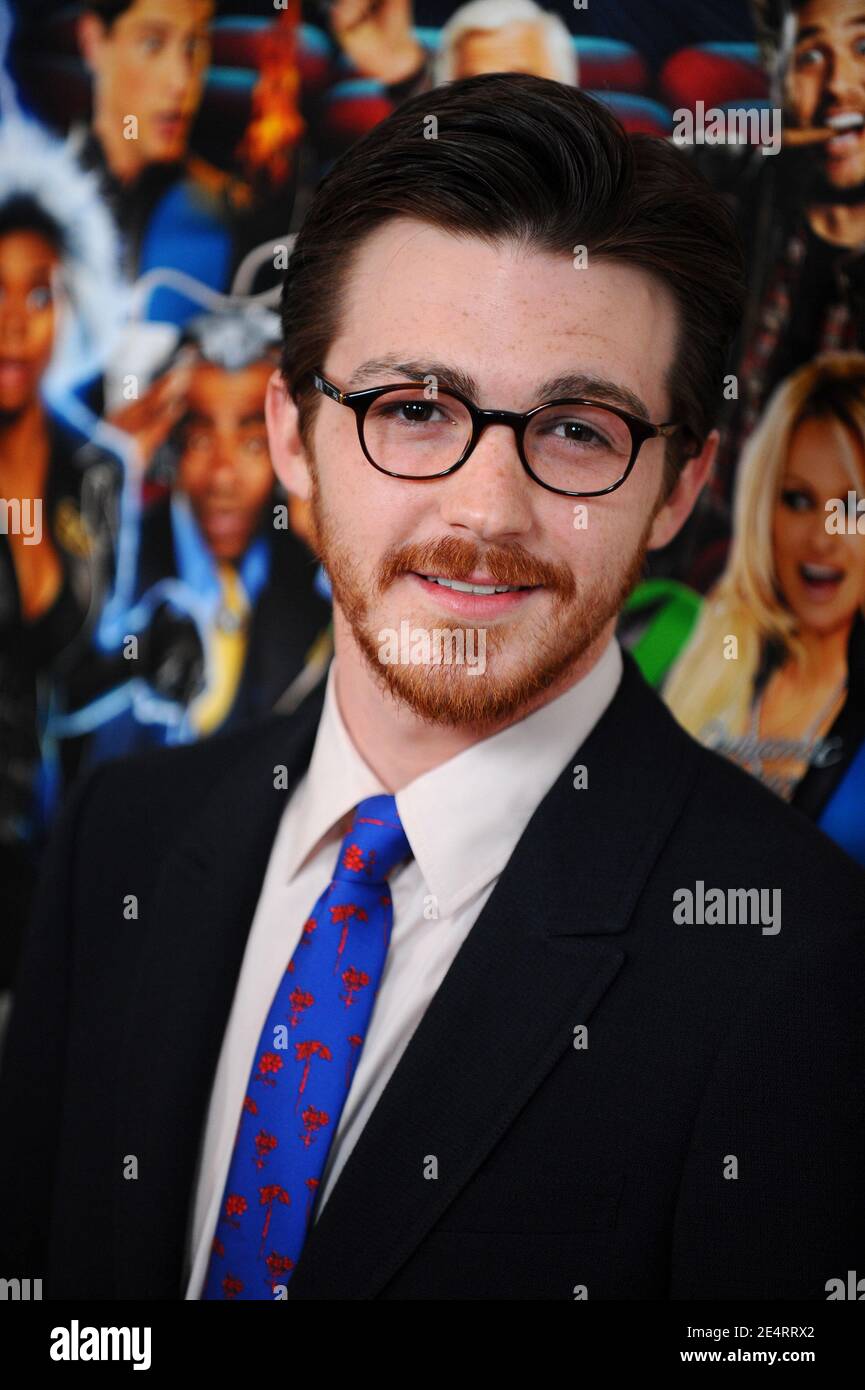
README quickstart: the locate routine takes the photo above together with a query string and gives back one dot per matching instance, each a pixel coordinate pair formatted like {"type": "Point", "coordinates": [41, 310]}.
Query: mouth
{"type": "Point", "coordinates": [479, 597]}
{"type": "Point", "coordinates": [465, 586]}
{"type": "Point", "coordinates": [222, 524]}
{"type": "Point", "coordinates": [14, 372]}
{"type": "Point", "coordinates": [170, 124]}
{"type": "Point", "coordinates": [821, 581]}
{"type": "Point", "coordinates": [849, 126]}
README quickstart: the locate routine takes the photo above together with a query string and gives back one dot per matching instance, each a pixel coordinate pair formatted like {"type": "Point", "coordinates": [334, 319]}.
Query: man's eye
{"type": "Point", "coordinates": [807, 57]}
{"type": "Point", "coordinates": [795, 500]}
{"type": "Point", "coordinates": [40, 297]}
{"type": "Point", "coordinates": [151, 44]}
{"type": "Point", "coordinates": [578, 432]}
{"type": "Point", "coordinates": [409, 412]}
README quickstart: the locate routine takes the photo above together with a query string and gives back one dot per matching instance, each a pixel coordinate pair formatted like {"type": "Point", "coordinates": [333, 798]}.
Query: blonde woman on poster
{"type": "Point", "coordinates": [774, 675]}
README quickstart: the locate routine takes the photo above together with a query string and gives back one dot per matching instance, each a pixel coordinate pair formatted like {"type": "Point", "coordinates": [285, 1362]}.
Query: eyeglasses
{"type": "Point", "coordinates": [578, 448]}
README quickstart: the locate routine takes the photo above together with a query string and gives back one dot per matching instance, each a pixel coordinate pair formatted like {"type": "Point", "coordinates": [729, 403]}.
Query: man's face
{"type": "Point", "coordinates": [519, 47]}
{"type": "Point", "coordinates": [28, 276]}
{"type": "Point", "coordinates": [826, 84]}
{"type": "Point", "coordinates": [225, 466]}
{"type": "Point", "coordinates": [151, 64]}
{"type": "Point", "coordinates": [509, 322]}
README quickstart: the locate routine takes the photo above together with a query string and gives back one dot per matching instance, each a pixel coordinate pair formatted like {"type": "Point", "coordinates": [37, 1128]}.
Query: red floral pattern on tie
{"type": "Point", "coordinates": [289, 1119]}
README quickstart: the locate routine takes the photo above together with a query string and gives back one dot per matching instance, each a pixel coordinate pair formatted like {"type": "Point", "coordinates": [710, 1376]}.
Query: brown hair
{"type": "Point", "coordinates": [523, 157]}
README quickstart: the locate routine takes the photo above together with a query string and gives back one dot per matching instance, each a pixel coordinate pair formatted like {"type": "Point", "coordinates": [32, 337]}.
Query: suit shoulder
{"type": "Point", "coordinates": [151, 795]}
{"type": "Point", "coordinates": [184, 767]}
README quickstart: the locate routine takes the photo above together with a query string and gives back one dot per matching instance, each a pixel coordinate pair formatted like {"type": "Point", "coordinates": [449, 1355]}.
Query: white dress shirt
{"type": "Point", "coordinates": [463, 820]}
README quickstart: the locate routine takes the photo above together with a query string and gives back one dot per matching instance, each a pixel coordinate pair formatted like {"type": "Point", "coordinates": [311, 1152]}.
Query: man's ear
{"type": "Point", "coordinates": [672, 515]}
{"type": "Point", "coordinates": [92, 36]}
{"type": "Point", "coordinates": [287, 450]}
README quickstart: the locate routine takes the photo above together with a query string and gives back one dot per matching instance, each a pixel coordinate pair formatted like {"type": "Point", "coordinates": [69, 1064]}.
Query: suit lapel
{"type": "Point", "coordinates": [527, 973]}
{"type": "Point", "coordinates": [507, 1007]}
{"type": "Point", "coordinates": [198, 922]}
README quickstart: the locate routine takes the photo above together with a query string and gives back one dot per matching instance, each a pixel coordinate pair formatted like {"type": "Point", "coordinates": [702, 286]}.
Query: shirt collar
{"type": "Point", "coordinates": [463, 818]}
{"type": "Point", "coordinates": [336, 780]}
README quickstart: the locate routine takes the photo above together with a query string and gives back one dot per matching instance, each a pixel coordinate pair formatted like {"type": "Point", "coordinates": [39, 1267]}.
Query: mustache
{"type": "Point", "coordinates": [453, 558]}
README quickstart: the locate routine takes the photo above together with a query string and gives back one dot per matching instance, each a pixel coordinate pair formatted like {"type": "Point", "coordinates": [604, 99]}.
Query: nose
{"type": "Point", "coordinates": [845, 75]}
{"type": "Point", "coordinates": [178, 69]}
{"type": "Point", "coordinates": [222, 468]}
{"type": "Point", "coordinates": [489, 495]}
{"type": "Point", "coordinates": [13, 324]}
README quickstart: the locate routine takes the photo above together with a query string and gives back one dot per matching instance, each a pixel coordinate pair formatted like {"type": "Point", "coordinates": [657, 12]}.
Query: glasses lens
{"type": "Point", "coordinates": [415, 434]}
{"type": "Point", "coordinates": [579, 448]}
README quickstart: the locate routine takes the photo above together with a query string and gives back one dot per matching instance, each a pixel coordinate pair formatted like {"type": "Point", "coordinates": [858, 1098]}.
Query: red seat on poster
{"type": "Point", "coordinates": [716, 73]}
{"type": "Point", "coordinates": [350, 110]}
{"type": "Point", "coordinates": [611, 64]}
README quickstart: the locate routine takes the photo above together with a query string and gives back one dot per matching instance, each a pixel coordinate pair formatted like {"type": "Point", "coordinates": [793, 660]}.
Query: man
{"type": "Point", "coordinates": [577, 1081]}
{"type": "Point", "coordinates": [149, 60]}
{"type": "Point", "coordinates": [481, 36]}
{"type": "Point", "coordinates": [506, 36]}
{"type": "Point", "coordinates": [806, 290]}
{"type": "Point", "coordinates": [218, 547]}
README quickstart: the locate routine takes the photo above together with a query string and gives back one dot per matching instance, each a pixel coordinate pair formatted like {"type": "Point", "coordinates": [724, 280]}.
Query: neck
{"type": "Point", "coordinates": [23, 447]}
{"type": "Point", "coordinates": [843, 225]}
{"type": "Point", "coordinates": [121, 155]}
{"type": "Point", "coordinates": [394, 741]}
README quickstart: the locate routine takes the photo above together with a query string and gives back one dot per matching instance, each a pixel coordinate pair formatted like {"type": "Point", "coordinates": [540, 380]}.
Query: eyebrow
{"type": "Point", "coordinates": [578, 384]}
{"type": "Point", "coordinates": [811, 31]}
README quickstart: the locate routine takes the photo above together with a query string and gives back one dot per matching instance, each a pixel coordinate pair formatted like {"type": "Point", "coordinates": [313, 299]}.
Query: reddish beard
{"type": "Point", "coordinates": [447, 693]}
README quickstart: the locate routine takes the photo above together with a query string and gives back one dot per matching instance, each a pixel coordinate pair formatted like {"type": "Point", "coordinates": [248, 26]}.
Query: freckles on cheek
{"type": "Point", "coordinates": [602, 528]}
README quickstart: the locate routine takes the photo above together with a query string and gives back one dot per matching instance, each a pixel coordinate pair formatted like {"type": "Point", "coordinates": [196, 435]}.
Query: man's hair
{"type": "Point", "coordinates": [525, 158]}
{"type": "Point", "coordinates": [44, 190]}
{"type": "Point", "coordinates": [22, 212]}
{"type": "Point", "coordinates": [771, 19]}
{"type": "Point", "coordinates": [233, 337]}
{"type": "Point", "coordinates": [108, 10]}
{"type": "Point", "coordinates": [488, 16]}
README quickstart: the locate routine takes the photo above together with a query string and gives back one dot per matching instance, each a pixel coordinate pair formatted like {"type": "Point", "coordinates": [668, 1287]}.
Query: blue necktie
{"type": "Point", "coordinates": [304, 1064]}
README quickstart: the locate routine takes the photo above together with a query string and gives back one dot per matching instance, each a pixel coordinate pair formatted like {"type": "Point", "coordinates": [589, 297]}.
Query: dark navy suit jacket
{"type": "Point", "coordinates": [605, 1167]}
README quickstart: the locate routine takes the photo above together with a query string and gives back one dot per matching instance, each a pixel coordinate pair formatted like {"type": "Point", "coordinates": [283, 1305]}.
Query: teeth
{"type": "Point", "coordinates": [462, 588]}
{"type": "Point", "coordinates": [846, 121]}
{"type": "Point", "coordinates": [821, 572]}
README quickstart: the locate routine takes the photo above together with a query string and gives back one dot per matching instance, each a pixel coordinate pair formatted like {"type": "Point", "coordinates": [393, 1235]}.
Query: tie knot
{"type": "Point", "coordinates": [375, 843]}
